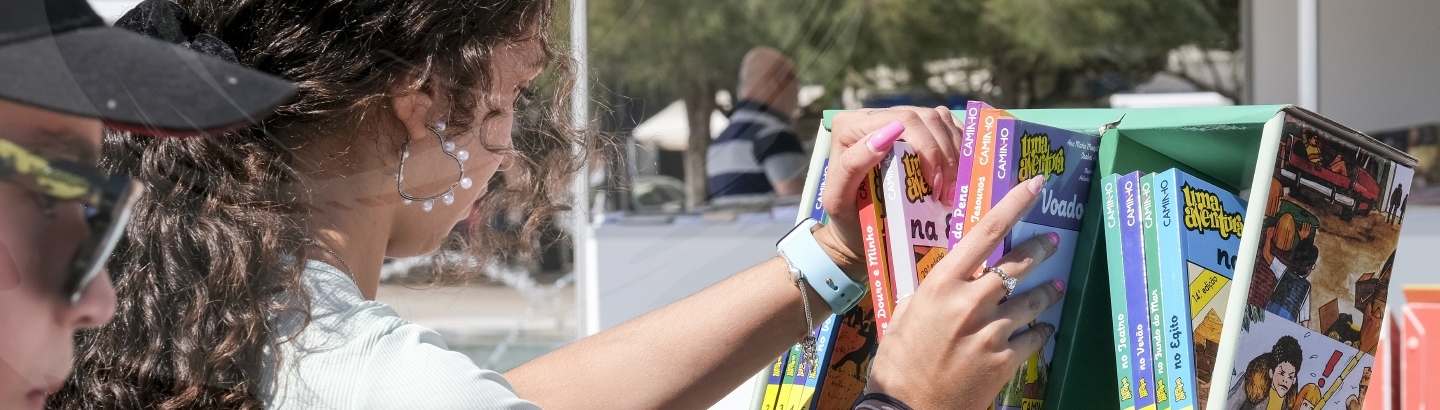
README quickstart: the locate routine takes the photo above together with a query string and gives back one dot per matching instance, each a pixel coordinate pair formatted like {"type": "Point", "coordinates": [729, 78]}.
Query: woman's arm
{"type": "Point", "coordinates": [687, 355]}
{"type": "Point", "coordinates": [693, 352]}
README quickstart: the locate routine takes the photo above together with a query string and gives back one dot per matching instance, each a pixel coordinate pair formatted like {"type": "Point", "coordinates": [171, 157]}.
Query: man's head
{"type": "Point", "coordinates": [1287, 359]}
{"type": "Point", "coordinates": [63, 76]}
{"type": "Point", "coordinates": [768, 76]}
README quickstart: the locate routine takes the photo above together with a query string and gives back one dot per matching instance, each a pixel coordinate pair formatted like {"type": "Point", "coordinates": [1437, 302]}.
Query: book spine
{"type": "Point", "coordinates": [872, 225]}
{"type": "Point", "coordinates": [964, 165]}
{"type": "Point", "coordinates": [902, 261]}
{"type": "Point", "coordinates": [817, 211]}
{"type": "Point", "coordinates": [1002, 177]}
{"type": "Point", "coordinates": [823, 334]}
{"type": "Point", "coordinates": [798, 398]}
{"type": "Point", "coordinates": [1153, 287]}
{"type": "Point", "coordinates": [772, 385]}
{"type": "Point", "coordinates": [981, 169]}
{"type": "Point", "coordinates": [787, 382]}
{"type": "Point", "coordinates": [1132, 239]}
{"type": "Point", "coordinates": [1116, 267]}
{"type": "Point", "coordinates": [1179, 362]}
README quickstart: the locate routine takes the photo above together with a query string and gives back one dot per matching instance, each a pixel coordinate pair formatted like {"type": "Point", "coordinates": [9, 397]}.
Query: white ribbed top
{"type": "Point", "coordinates": [358, 354]}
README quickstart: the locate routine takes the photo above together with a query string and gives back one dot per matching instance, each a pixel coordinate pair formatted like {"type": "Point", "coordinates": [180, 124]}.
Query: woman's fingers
{"type": "Point", "coordinates": [963, 261]}
{"type": "Point", "coordinates": [847, 170]}
{"type": "Point", "coordinates": [1018, 263]}
{"type": "Point", "coordinates": [925, 129]}
{"type": "Point", "coordinates": [1028, 342]}
{"type": "Point", "coordinates": [1026, 306]}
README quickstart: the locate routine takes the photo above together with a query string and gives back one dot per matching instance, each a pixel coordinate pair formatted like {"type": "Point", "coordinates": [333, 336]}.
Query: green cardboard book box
{"type": "Point", "coordinates": [1294, 165]}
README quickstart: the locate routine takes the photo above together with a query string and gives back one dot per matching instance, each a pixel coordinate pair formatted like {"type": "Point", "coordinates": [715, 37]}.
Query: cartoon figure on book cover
{"type": "Point", "coordinates": [1330, 232]}
{"type": "Point", "coordinates": [849, 362]}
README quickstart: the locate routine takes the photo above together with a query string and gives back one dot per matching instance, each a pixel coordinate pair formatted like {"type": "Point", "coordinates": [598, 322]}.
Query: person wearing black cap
{"type": "Point", "coordinates": [63, 76]}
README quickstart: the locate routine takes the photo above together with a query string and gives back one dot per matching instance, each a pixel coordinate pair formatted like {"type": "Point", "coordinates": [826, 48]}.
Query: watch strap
{"type": "Point", "coordinates": [802, 252]}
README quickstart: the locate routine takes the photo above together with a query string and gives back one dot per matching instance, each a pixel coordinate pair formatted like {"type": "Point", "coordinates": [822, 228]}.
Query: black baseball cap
{"type": "Point", "coordinates": [59, 55]}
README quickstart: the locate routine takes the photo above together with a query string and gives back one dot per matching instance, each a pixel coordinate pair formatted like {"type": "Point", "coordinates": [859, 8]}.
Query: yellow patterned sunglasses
{"type": "Point", "coordinates": [107, 202]}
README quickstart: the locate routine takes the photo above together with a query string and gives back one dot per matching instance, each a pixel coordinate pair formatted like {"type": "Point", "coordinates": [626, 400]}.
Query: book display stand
{"type": "Point", "coordinates": [1309, 182]}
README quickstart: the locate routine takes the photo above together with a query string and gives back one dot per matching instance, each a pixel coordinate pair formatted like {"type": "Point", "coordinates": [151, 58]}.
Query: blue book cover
{"type": "Point", "coordinates": [1067, 160]}
{"type": "Point", "coordinates": [1197, 258]}
{"type": "Point", "coordinates": [1136, 304]}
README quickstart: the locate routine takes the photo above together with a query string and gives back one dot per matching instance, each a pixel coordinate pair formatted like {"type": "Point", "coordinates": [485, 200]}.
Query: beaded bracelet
{"type": "Point", "coordinates": [887, 402]}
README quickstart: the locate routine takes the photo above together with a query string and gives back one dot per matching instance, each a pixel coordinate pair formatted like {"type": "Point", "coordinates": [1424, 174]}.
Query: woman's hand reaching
{"type": "Point", "coordinates": [954, 343]}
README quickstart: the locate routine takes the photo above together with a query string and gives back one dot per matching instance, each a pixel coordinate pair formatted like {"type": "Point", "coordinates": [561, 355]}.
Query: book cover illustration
{"type": "Point", "coordinates": [964, 165]}
{"type": "Point", "coordinates": [917, 221]}
{"type": "Point", "coordinates": [870, 200]}
{"type": "Point", "coordinates": [1067, 160]}
{"type": "Point", "coordinates": [1198, 229]}
{"type": "Point", "coordinates": [1137, 306]}
{"type": "Point", "coordinates": [848, 367]}
{"type": "Point", "coordinates": [1115, 269]}
{"type": "Point", "coordinates": [1320, 279]}
{"type": "Point", "coordinates": [1152, 291]}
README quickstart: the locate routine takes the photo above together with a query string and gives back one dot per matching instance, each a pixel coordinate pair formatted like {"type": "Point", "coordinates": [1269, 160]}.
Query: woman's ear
{"type": "Point", "coordinates": [413, 106]}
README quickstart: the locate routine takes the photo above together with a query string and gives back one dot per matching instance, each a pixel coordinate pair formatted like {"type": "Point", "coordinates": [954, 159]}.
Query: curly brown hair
{"type": "Point", "coordinates": [211, 255]}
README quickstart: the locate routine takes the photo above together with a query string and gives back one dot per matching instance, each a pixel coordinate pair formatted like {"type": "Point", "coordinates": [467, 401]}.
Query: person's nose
{"type": "Point", "coordinates": [96, 304]}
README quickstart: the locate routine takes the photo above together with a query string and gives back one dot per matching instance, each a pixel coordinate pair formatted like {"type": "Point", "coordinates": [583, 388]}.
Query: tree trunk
{"type": "Point", "coordinates": [699, 103]}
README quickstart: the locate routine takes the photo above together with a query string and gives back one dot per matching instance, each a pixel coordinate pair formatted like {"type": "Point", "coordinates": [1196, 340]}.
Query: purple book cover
{"type": "Point", "coordinates": [1067, 160]}
{"type": "Point", "coordinates": [1133, 240]}
{"type": "Point", "coordinates": [971, 123]}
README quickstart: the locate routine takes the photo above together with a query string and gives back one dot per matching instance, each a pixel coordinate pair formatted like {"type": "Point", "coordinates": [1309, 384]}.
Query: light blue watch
{"type": "Point", "coordinates": [808, 261]}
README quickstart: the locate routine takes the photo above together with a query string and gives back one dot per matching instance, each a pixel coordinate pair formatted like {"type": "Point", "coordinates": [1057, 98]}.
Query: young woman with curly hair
{"type": "Point", "coordinates": [248, 281]}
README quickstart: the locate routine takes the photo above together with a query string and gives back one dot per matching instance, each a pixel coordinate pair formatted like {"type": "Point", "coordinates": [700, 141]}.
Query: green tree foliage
{"type": "Point", "coordinates": [1012, 53]}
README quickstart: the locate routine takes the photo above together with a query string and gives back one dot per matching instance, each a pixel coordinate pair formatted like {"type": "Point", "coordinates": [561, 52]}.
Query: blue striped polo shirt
{"type": "Point", "coordinates": [759, 146]}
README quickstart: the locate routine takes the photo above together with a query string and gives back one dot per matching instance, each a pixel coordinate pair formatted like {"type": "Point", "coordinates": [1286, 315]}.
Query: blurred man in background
{"type": "Point", "coordinates": [759, 153]}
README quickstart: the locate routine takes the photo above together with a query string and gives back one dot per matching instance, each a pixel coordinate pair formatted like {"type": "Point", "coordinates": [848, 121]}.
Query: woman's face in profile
{"type": "Point", "coordinates": [419, 232]}
{"type": "Point", "coordinates": [37, 321]}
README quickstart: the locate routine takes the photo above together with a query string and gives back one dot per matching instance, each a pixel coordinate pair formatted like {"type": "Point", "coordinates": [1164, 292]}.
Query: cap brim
{"type": "Point", "coordinates": [137, 83]}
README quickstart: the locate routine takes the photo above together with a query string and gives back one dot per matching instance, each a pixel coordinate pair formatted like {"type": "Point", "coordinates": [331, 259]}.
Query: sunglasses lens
{"type": "Point", "coordinates": [107, 223]}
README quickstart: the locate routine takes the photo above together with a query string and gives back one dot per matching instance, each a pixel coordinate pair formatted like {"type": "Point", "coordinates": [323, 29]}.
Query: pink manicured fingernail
{"type": "Point", "coordinates": [1034, 184]}
{"type": "Point", "coordinates": [880, 141]}
{"type": "Point", "coordinates": [1059, 284]}
{"type": "Point", "coordinates": [1054, 238]}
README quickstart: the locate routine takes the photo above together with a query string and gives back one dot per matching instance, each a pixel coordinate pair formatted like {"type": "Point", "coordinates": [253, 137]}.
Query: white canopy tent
{"type": "Point", "coordinates": [670, 130]}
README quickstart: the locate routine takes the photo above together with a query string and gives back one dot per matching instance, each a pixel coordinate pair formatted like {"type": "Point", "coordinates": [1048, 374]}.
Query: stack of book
{"type": "Point", "coordinates": [1216, 257]}
{"type": "Point", "coordinates": [909, 229]}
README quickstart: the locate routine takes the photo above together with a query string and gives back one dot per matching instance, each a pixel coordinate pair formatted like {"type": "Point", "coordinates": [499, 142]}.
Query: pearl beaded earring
{"type": "Point", "coordinates": [448, 147]}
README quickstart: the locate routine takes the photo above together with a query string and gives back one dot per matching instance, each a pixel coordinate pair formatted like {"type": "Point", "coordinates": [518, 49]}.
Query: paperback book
{"type": "Point", "coordinates": [917, 221]}
{"type": "Point", "coordinates": [1198, 227]}
{"type": "Point", "coordinates": [1066, 160]}
{"type": "Point", "coordinates": [1152, 291]}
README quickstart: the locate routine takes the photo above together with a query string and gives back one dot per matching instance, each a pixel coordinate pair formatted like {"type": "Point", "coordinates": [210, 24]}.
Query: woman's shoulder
{"type": "Point", "coordinates": [357, 353]}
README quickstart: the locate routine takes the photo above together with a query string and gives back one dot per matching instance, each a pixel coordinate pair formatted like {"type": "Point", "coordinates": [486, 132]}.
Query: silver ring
{"type": "Point", "coordinates": [1005, 280]}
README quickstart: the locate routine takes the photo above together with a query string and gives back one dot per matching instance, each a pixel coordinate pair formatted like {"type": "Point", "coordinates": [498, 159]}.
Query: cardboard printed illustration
{"type": "Point", "coordinates": [1332, 222]}
{"type": "Point", "coordinates": [1298, 368]}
